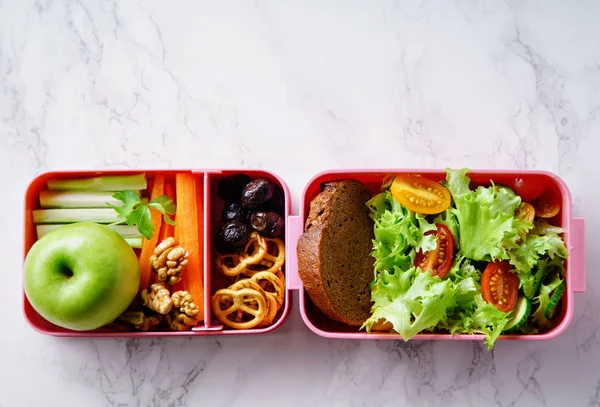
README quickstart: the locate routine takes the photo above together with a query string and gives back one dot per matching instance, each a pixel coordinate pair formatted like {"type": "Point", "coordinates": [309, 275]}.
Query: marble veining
{"type": "Point", "coordinates": [296, 88]}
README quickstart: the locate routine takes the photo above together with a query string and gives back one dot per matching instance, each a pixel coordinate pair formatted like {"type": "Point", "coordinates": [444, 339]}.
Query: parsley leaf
{"type": "Point", "coordinates": [130, 200]}
{"type": "Point", "coordinates": [164, 205]}
{"type": "Point", "coordinates": [141, 216]}
{"type": "Point", "coordinates": [136, 212]}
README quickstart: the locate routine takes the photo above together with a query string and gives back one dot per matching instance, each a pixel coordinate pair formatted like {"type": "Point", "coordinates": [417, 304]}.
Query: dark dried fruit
{"type": "Point", "coordinates": [235, 211]}
{"type": "Point", "coordinates": [232, 236]}
{"type": "Point", "coordinates": [230, 188]}
{"type": "Point", "coordinates": [267, 223]}
{"type": "Point", "coordinates": [277, 201]}
{"type": "Point", "coordinates": [257, 193]}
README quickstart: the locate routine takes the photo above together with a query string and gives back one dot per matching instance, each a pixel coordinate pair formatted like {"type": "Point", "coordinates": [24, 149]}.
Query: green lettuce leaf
{"type": "Point", "coordinates": [488, 320]}
{"type": "Point", "coordinates": [399, 233]}
{"type": "Point", "coordinates": [542, 227]}
{"type": "Point", "coordinates": [415, 302]}
{"type": "Point", "coordinates": [466, 281]}
{"type": "Point", "coordinates": [412, 301]}
{"type": "Point", "coordinates": [488, 227]}
{"type": "Point", "coordinates": [471, 314]}
{"type": "Point", "coordinates": [533, 248]}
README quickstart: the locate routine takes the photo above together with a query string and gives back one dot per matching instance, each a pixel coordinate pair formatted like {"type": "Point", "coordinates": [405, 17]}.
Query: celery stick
{"type": "Point", "coordinates": [135, 242]}
{"type": "Point", "coordinates": [100, 183]}
{"type": "Point", "coordinates": [74, 215]}
{"type": "Point", "coordinates": [124, 230]}
{"type": "Point", "coordinates": [78, 199]}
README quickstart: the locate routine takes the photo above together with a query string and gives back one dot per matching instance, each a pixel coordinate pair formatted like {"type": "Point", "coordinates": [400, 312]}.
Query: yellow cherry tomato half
{"type": "Point", "coordinates": [381, 325]}
{"type": "Point", "coordinates": [526, 211]}
{"type": "Point", "coordinates": [420, 194]}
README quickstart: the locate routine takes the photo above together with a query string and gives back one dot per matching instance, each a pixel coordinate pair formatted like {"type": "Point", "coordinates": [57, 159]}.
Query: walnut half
{"type": "Point", "coordinates": [158, 299]}
{"type": "Point", "coordinates": [168, 261]}
{"type": "Point", "coordinates": [185, 312]}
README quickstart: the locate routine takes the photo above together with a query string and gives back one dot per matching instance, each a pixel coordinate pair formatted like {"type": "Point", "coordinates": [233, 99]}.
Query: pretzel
{"type": "Point", "coordinates": [272, 260]}
{"type": "Point", "coordinates": [264, 279]}
{"type": "Point", "coordinates": [242, 276]}
{"type": "Point", "coordinates": [246, 283]}
{"type": "Point", "coordinates": [249, 284]}
{"type": "Point", "coordinates": [232, 264]}
{"type": "Point", "coordinates": [281, 277]}
{"type": "Point", "coordinates": [273, 308]}
{"type": "Point", "coordinates": [249, 301]}
{"type": "Point", "coordinates": [256, 248]}
{"type": "Point", "coordinates": [239, 315]}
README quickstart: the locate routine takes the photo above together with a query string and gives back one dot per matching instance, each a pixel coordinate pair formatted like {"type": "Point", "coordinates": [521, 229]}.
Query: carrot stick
{"type": "Point", "coordinates": [168, 230]}
{"type": "Point", "coordinates": [189, 235]}
{"type": "Point", "coordinates": [148, 245]}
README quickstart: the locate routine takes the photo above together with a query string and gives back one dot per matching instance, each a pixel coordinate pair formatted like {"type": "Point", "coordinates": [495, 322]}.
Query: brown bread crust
{"type": "Point", "coordinates": [334, 261]}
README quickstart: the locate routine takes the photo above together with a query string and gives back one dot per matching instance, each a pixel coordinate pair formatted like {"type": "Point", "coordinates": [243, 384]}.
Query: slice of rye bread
{"type": "Point", "coordinates": [334, 252]}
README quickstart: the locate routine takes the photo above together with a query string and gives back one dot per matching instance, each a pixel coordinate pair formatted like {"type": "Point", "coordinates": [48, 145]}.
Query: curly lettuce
{"type": "Point", "coordinates": [488, 227]}
{"type": "Point", "coordinates": [412, 301]}
{"type": "Point", "coordinates": [399, 233]}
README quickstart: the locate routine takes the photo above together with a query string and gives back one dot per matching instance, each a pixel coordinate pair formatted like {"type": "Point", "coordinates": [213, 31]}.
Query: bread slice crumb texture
{"type": "Point", "coordinates": [334, 254]}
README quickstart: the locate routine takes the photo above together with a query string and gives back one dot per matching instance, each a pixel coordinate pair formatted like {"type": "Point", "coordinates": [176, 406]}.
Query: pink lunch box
{"type": "Point", "coordinates": [312, 317]}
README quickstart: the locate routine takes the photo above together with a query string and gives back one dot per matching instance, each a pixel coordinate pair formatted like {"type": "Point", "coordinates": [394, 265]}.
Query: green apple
{"type": "Point", "coordinates": [81, 276]}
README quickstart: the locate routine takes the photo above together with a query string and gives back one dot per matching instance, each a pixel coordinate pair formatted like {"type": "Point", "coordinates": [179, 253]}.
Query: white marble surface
{"type": "Point", "coordinates": [297, 87]}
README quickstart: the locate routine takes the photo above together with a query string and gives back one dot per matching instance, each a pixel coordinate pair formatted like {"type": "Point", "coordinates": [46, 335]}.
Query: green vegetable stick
{"type": "Point", "coordinates": [97, 215]}
{"type": "Point", "coordinates": [101, 183]}
{"type": "Point", "coordinates": [135, 242]}
{"type": "Point", "coordinates": [123, 230]}
{"type": "Point", "coordinates": [78, 199]}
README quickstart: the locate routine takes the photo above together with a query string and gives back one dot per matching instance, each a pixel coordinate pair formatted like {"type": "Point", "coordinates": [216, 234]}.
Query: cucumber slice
{"type": "Point", "coordinates": [532, 288]}
{"type": "Point", "coordinates": [552, 307]}
{"type": "Point", "coordinates": [518, 315]}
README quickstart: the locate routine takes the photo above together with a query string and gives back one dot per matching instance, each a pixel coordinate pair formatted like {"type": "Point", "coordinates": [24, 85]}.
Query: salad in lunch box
{"type": "Point", "coordinates": [455, 257]}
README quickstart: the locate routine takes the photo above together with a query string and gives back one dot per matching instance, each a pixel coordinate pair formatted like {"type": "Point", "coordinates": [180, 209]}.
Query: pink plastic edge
{"type": "Point", "coordinates": [207, 329]}
{"type": "Point", "coordinates": [566, 223]}
{"type": "Point", "coordinates": [294, 230]}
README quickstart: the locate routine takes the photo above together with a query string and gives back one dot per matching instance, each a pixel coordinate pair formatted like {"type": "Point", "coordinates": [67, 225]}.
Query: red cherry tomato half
{"type": "Point", "coordinates": [528, 187]}
{"type": "Point", "coordinates": [439, 260]}
{"type": "Point", "coordinates": [500, 286]}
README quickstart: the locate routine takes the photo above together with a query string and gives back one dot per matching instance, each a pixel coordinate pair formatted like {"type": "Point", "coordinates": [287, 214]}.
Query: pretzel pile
{"type": "Point", "coordinates": [259, 254]}
{"type": "Point", "coordinates": [258, 289]}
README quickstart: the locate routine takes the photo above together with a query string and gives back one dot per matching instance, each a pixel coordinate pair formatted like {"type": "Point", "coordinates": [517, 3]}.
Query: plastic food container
{"type": "Point", "coordinates": [312, 317]}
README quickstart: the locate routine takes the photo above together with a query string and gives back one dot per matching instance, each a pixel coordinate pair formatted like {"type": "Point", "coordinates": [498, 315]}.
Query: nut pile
{"type": "Point", "coordinates": [168, 261]}
{"type": "Point", "coordinates": [175, 310]}
{"type": "Point", "coordinates": [250, 253]}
